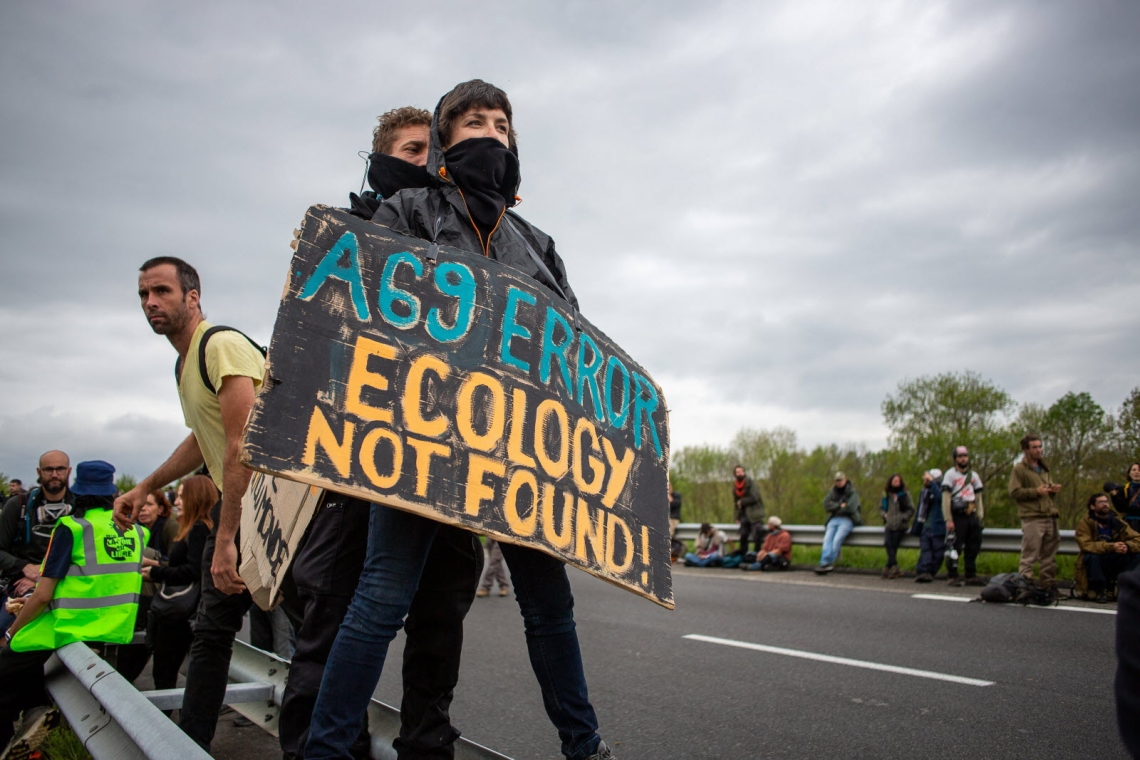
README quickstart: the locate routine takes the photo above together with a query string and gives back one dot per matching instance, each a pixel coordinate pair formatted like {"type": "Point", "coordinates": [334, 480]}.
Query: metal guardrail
{"type": "Point", "coordinates": [112, 718]}
{"type": "Point", "coordinates": [993, 539]}
{"type": "Point", "coordinates": [115, 721]}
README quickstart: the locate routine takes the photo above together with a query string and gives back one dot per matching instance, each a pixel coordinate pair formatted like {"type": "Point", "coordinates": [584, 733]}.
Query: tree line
{"type": "Point", "coordinates": [1085, 446]}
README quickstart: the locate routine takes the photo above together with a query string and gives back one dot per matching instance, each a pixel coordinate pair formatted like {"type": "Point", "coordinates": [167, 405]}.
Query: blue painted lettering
{"type": "Point", "coordinates": [330, 268]}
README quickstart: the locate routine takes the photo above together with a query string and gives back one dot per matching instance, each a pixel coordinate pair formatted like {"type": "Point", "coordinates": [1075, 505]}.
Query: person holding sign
{"type": "Point", "coordinates": [327, 567]}
{"type": "Point", "coordinates": [474, 164]}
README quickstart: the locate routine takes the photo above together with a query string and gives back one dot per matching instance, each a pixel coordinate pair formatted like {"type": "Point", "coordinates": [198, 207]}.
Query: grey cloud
{"type": "Point", "coordinates": [781, 210]}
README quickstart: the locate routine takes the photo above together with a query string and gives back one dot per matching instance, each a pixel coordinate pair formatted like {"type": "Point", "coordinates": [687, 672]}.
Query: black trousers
{"type": "Point", "coordinates": [891, 541]}
{"type": "Point", "coordinates": [170, 641]}
{"type": "Point", "coordinates": [753, 533]}
{"type": "Point", "coordinates": [21, 686]}
{"type": "Point", "coordinates": [216, 623]}
{"type": "Point", "coordinates": [967, 542]}
{"type": "Point", "coordinates": [325, 573]}
{"type": "Point", "coordinates": [1104, 569]}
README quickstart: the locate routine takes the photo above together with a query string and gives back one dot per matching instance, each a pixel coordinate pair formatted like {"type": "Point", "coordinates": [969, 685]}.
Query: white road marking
{"type": "Point", "coordinates": [839, 660]}
{"type": "Point", "coordinates": [948, 598]}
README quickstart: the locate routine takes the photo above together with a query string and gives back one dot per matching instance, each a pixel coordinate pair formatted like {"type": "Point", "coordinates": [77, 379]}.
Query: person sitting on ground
{"type": "Point", "coordinates": [842, 506]}
{"type": "Point", "coordinates": [87, 591]}
{"type": "Point", "coordinates": [1126, 498]}
{"type": "Point", "coordinates": [896, 510]}
{"type": "Point", "coordinates": [930, 527]}
{"type": "Point", "coordinates": [1108, 548]}
{"type": "Point", "coordinates": [709, 548]}
{"type": "Point", "coordinates": [776, 554]}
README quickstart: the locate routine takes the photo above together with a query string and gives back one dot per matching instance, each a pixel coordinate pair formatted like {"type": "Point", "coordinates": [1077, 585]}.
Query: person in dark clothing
{"type": "Point", "coordinates": [1126, 498]}
{"type": "Point", "coordinates": [930, 526]}
{"type": "Point", "coordinates": [170, 639]}
{"type": "Point", "coordinates": [896, 509]}
{"type": "Point", "coordinates": [473, 163]}
{"type": "Point", "coordinates": [748, 511]}
{"type": "Point", "coordinates": [326, 570]}
{"type": "Point", "coordinates": [1128, 660]}
{"type": "Point", "coordinates": [157, 516]}
{"type": "Point", "coordinates": [26, 523]}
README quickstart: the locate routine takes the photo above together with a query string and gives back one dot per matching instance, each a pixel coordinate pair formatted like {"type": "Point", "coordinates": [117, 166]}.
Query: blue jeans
{"type": "Point", "coordinates": [398, 547]}
{"type": "Point", "coordinates": [837, 530]}
{"type": "Point", "coordinates": [547, 606]}
{"type": "Point", "coordinates": [710, 561]}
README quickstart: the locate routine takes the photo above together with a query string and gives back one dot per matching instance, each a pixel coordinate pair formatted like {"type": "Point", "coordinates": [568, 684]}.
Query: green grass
{"type": "Point", "coordinates": [63, 744]}
{"type": "Point", "coordinates": [989, 563]}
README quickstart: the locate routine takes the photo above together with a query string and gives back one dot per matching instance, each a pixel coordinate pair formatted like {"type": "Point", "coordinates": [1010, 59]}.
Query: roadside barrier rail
{"type": "Point", "coordinates": [116, 721]}
{"type": "Point", "coordinates": [109, 715]}
{"type": "Point", "coordinates": [993, 539]}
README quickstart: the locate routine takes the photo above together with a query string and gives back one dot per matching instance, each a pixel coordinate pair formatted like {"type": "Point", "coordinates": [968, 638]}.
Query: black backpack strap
{"type": "Point", "coordinates": [205, 375]}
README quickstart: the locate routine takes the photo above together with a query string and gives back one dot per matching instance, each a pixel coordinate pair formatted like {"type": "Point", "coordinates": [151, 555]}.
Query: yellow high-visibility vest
{"type": "Point", "coordinates": [98, 599]}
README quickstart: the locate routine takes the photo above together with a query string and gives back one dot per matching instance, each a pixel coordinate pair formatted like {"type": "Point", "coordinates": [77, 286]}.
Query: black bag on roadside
{"type": "Point", "coordinates": [1004, 588]}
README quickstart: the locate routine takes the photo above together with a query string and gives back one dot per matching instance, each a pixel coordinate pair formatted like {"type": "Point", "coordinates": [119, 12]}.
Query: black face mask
{"type": "Point", "coordinates": [488, 174]}
{"type": "Point", "coordinates": [387, 175]}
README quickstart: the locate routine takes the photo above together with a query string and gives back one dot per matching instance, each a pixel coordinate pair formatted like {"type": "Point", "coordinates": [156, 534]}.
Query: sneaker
{"type": "Point", "coordinates": [975, 581]}
{"type": "Point", "coordinates": [923, 578]}
{"type": "Point", "coordinates": [483, 592]}
{"type": "Point", "coordinates": [956, 582]}
{"type": "Point", "coordinates": [1101, 598]}
{"type": "Point", "coordinates": [886, 573]}
{"type": "Point", "coordinates": [825, 569]}
{"type": "Point", "coordinates": [603, 753]}
{"type": "Point", "coordinates": [895, 573]}
{"type": "Point", "coordinates": [504, 591]}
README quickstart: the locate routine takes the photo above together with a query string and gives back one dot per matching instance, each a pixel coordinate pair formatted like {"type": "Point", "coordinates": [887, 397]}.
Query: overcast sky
{"type": "Point", "coordinates": [780, 209]}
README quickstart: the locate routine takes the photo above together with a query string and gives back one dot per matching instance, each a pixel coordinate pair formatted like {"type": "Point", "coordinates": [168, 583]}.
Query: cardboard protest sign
{"type": "Point", "coordinates": [274, 515]}
{"type": "Point", "coordinates": [441, 382]}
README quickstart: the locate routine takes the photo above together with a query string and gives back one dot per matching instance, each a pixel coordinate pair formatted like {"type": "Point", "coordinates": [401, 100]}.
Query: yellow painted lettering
{"type": "Point", "coordinates": [477, 490]}
{"type": "Point", "coordinates": [338, 452]}
{"type": "Point", "coordinates": [555, 468]}
{"type": "Point", "coordinates": [360, 377]}
{"type": "Point", "coordinates": [597, 469]}
{"type": "Point", "coordinates": [522, 526]}
{"type": "Point", "coordinates": [496, 413]}
{"type": "Point", "coordinates": [412, 401]}
{"type": "Point", "coordinates": [619, 472]}
{"type": "Point", "coordinates": [368, 457]}
{"type": "Point", "coordinates": [425, 450]}
{"type": "Point", "coordinates": [614, 524]}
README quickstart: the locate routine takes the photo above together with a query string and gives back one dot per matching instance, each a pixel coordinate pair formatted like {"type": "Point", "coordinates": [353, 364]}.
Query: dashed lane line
{"type": "Point", "coordinates": [840, 660]}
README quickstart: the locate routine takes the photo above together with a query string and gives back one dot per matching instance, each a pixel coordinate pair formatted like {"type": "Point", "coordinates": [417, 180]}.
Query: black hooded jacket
{"type": "Point", "coordinates": [439, 214]}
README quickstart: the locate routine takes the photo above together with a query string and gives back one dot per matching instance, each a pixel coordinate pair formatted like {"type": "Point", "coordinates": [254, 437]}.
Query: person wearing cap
{"type": "Point", "coordinates": [1032, 489]}
{"type": "Point", "coordinates": [930, 527]}
{"type": "Point", "coordinates": [963, 511]}
{"type": "Point", "coordinates": [88, 590]}
{"type": "Point", "coordinates": [776, 553]}
{"type": "Point", "coordinates": [842, 507]}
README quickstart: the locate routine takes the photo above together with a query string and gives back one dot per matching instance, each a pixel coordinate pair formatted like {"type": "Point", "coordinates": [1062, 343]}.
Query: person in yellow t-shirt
{"type": "Point", "coordinates": [215, 404]}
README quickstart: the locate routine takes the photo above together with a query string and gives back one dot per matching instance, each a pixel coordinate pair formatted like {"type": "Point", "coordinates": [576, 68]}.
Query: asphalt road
{"type": "Point", "coordinates": [661, 695]}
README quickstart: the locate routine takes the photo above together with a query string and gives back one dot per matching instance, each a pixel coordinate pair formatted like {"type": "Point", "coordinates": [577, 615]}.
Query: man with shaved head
{"type": "Point", "coordinates": [26, 523]}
